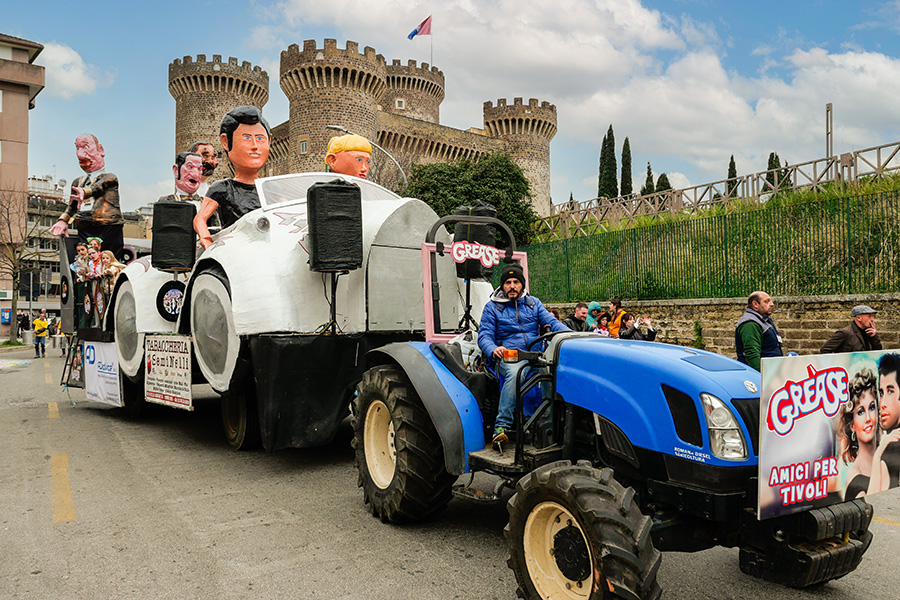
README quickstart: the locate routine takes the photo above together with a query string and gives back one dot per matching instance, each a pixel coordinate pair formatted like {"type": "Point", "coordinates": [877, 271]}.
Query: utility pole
{"type": "Point", "coordinates": [829, 133]}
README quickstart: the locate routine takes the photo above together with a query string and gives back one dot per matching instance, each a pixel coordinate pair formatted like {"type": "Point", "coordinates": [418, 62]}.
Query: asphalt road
{"type": "Point", "coordinates": [93, 505]}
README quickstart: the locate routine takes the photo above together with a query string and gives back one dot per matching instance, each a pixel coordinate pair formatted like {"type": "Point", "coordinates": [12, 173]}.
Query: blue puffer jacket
{"type": "Point", "coordinates": [513, 324]}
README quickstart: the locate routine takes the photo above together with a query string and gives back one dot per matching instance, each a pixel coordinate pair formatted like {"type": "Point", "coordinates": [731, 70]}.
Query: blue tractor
{"type": "Point", "coordinates": [634, 448]}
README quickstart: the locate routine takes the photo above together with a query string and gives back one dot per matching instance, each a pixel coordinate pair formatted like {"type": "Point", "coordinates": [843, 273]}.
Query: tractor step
{"type": "Point", "coordinates": [491, 460]}
{"type": "Point", "coordinates": [475, 495]}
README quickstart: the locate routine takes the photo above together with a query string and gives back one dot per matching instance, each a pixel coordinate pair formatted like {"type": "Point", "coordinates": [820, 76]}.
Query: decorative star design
{"type": "Point", "coordinates": [219, 242]}
{"type": "Point", "coordinates": [295, 220]}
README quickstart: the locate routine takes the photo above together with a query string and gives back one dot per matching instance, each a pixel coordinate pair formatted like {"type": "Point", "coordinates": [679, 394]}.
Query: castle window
{"type": "Point", "coordinates": [400, 103]}
{"type": "Point", "coordinates": [303, 144]}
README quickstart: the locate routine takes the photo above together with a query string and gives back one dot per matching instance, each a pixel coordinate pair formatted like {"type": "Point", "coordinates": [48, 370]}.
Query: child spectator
{"type": "Point", "coordinates": [111, 267]}
{"type": "Point", "coordinates": [602, 325]}
{"type": "Point", "coordinates": [79, 265]}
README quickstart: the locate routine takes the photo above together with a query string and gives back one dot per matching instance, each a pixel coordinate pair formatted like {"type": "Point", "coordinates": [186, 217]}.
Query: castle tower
{"type": "Point", "coordinates": [204, 92]}
{"type": "Point", "coordinates": [414, 92]}
{"type": "Point", "coordinates": [329, 86]}
{"type": "Point", "coordinates": [527, 130]}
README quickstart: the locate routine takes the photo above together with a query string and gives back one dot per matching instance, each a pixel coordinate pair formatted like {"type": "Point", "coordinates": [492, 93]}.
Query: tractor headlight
{"type": "Point", "coordinates": [725, 437]}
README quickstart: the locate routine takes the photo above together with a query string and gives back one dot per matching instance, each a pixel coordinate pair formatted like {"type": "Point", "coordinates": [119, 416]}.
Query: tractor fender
{"type": "Point", "coordinates": [451, 406]}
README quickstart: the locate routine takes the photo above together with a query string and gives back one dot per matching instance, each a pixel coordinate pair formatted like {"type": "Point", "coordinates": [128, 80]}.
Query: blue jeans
{"type": "Point", "coordinates": [507, 408]}
{"type": "Point", "coordinates": [39, 346]}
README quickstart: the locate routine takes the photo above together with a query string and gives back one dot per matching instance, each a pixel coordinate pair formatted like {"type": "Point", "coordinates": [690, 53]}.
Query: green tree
{"type": "Point", "coordinates": [625, 187]}
{"type": "Point", "coordinates": [603, 160]}
{"type": "Point", "coordinates": [732, 178]}
{"type": "Point", "coordinates": [494, 178]}
{"type": "Point", "coordinates": [648, 187]}
{"type": "Point", "coordinates": [609, 184]}
{"type": "Point", "coordinates": [662, 183]}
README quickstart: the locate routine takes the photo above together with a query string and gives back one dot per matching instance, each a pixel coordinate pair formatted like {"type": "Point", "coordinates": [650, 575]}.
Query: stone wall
{"type": "Point", "coordinates": [805, 322]}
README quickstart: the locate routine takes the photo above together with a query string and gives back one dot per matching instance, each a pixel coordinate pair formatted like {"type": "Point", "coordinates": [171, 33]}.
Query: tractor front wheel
{"type": "Point", "coordinates": [575, 533]}
{"type": "Point", "coordinates": [398, 452]}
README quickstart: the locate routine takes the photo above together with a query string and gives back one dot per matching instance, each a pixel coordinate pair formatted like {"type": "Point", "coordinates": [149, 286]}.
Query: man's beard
{"type": "Point", "coordinates": [208, 169]}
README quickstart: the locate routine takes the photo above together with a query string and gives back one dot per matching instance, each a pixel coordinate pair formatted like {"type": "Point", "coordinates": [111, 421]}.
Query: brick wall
{"type": "Point", "coordinates": [805, 322]}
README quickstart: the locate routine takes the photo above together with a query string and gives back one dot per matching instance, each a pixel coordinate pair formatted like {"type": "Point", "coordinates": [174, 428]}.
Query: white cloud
{"type": "Point", "coordinates": [67, 75]}
{"type": "Point", "coordinates": [659, 79]}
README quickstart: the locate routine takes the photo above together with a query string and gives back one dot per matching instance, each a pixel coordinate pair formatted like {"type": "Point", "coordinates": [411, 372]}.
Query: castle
{"type": "Point", "coordinates": [397, 106]}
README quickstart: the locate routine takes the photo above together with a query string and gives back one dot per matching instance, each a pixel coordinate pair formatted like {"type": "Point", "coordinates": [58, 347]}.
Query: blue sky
{"type": "Point", "coordinates": [690, 82]}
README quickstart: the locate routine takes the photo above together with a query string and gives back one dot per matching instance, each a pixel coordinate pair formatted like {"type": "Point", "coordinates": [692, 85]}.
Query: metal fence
{"type": "Point", "coordinates": [842, 246]}
{"type": "Point", "coordinates": [573, 219]}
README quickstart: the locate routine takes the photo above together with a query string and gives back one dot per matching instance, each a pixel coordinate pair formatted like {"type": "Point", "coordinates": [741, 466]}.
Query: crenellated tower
{"type": "Point", "coordinates": [204, 91]}
{"type": "Point", "coordinates": [527, 130]}
{"type": "Point", "coordinates": [395, 105]}
{"type": "Point", "coordinates": [413, 91]}
{"type": "Point", "coordinates": [329, 86]}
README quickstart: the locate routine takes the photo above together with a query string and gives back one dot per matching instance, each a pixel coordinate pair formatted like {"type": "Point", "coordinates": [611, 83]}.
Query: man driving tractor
{"type": "Point", "coordinates": [512, 319]}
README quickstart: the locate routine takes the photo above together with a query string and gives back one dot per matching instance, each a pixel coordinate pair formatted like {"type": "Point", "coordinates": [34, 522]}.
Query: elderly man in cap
{"type": "Point", "coordinates": [859, 336]}
{"type": "Point", "coordinates": [511, 319]}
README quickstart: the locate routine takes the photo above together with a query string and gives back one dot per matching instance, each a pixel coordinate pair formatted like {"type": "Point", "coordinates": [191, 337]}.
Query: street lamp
{"type": "Point", "coordinates": [386, 153]}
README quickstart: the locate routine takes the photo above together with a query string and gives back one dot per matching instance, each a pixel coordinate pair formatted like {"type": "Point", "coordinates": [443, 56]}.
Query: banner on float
{"type": "Point", "coordinates": [168, 374]}
{"type": "Point", "coordinates": [101, 373]}
{"type": "Point", "coordinates": [829, 430]}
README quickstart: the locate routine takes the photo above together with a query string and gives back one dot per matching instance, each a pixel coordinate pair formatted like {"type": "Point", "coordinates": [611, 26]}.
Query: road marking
{"type": "Point", "coordinates": [48, 377]}
{"type": "Point", "coordinates": [64, 506]}
{"type": "Point", "coordinates": [888, 521]}
{"type": "Point", "coordinates": [52, 410]}
{"type": "Point", "coordinates": [47, 364]}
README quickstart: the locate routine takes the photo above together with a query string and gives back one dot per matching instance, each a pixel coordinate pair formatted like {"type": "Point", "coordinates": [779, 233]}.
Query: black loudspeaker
{"type": "Point", "coordinates": [174, 239]}
{"type": "Point", "coordinates": [334, 214]}
{"type": "Point", "coordinates": [482, 234]}
{"type": "Point", "coordinates": [68, 299]}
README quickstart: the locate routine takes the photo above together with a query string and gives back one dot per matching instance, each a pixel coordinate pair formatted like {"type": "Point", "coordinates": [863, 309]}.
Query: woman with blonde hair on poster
{"type": "Point", "coordinates": [858, 430]}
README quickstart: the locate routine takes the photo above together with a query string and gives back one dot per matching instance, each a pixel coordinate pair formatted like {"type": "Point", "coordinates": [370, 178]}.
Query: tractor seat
{"type": "Point", "coordinates": [481, 383]}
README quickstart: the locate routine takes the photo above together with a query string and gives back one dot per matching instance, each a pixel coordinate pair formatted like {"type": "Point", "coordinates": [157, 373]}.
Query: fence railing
{"type": "Point", "coordinates": [840, 246]}
{"type": "Point", "coordinates": [573, 219]}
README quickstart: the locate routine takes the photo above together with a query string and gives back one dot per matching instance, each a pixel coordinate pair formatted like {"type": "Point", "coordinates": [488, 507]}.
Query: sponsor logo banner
{"type": "Point", "coordinates": [101, 373]}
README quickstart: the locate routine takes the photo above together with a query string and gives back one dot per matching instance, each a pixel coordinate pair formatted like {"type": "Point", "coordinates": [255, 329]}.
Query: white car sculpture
{"type": "Point", "coordinates": [260, 319]}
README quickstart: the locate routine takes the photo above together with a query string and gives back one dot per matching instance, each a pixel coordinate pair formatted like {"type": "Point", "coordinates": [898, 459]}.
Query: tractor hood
{"type": "Point", "coordinates": [631, 383]}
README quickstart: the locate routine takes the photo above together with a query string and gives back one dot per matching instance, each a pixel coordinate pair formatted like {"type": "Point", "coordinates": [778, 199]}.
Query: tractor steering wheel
{"type": "Point", "coordinates": [544, 337]}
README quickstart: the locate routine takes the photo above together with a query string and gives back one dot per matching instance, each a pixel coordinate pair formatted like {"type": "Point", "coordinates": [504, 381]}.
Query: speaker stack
{"type": "Point", "coordinates": [174, 239]}
{"type": "Point", "coordinates": [334, 216]}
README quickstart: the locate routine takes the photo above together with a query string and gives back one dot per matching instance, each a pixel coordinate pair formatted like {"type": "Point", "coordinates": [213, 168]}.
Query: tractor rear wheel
{"type": "Point", "coordinates": [240, 417]}
{"type": "Point", "coordinates": [398, 452]}
{"type": "Point", "coordinates": [575, 533]}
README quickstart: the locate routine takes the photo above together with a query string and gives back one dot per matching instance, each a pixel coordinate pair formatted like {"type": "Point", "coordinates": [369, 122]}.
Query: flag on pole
{"type": "Point", "coordinates": [424, 28]}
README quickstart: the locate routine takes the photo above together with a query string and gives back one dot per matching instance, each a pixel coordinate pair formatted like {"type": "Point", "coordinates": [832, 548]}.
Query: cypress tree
{"type": "Point", "coordinates": [662, 183]}
{"type": "Point", "coordinates": [648, 187]}
{"type": "Point", "coordinates": [732, 178]}
{"type": "Point", "coordinates": [603, 160]}
{"type": "Point", "coordinates": [626, 186]}
{"type": "Point", "coordinates": [609, 183]}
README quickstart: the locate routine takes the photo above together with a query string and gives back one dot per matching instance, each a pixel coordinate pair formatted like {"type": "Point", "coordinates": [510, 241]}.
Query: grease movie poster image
{"type": "Point", "coordinates": [829, 429]}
